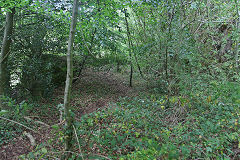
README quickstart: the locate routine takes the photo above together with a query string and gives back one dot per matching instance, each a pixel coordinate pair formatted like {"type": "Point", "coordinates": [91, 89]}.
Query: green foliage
{"type": "Point", "coordinates": [13, 111]}
{"type": "Point", "coordinates": [41, 75]}
{"type": "Point", "coordinates": [38, 153]}
{"type": "Point", "coordinates": [188, 50]}
{"type": "Point", "coordinates": [142, 128]}
{"type": "Point", "coordinates": [7, 4]}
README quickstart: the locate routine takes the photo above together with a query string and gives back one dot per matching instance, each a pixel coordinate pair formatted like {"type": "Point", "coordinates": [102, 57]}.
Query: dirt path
{"type": "Point", "coordinates": [97, 89]}
{"type": "Point", "coordinates": [93, 91]}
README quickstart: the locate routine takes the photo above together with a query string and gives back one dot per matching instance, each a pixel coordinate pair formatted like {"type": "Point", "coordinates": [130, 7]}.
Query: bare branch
{"type": "Point", "coordinates": [19, 124]}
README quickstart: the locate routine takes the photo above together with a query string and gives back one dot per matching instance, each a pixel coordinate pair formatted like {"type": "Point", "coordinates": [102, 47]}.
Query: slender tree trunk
{"type": "Point", "coordinates": [68, 86]}
{"type": "Point", "coordinates": [237, 26]}
{"type": "Point", "coordinates": [118, 66]}
{"type": "Point", "coordinates": [136, 59]}
{"type": "Point", "coordinates": [131, 75]}
{"type": "Point", "coordinates": [169, 37]}
{"type": "Point", "coordinates": [85, 57]}
{"type": "Point", "coordinates": [130, 48]}
{"type": "Point", "coordinates": [117, 61]}
{"type": "Point", "coordinates": [5, 51]}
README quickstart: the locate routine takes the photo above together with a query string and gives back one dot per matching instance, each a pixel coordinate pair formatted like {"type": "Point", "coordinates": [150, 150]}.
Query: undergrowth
{"type": "Point", "coordinates": [200, 125]}
{"type": "Point", "coordinates": [142, 128]}
{"type": "Point", "coordinates": [11, 111]}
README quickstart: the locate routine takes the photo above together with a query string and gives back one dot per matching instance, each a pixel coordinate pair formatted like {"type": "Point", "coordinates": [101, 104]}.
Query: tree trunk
{"type": "Point", "coordinates": [130, 48]}
{"type": "Point", "coordinates": [237, 26]}
{"type": "Point", "coordinates": [118, 67]}
{"type": "Point", "coordinates": [4, 74]}
{"type": "Point", "coordinates": [68, 86]}
{"type": "Point", "coordinates": [85, 57]}
{"type": "Point", "coordinates": [169, 37]}
{"type": "Point", "coordinates": [139, 68]}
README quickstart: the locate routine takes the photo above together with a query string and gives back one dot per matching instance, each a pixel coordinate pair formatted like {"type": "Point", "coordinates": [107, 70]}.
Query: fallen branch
{"type": "Point", "coordinates": [30, 137]}
{"type": "Point", "coordinates": [102, 156]}
{"type": "Point", "coordinates": [19, 124]}
{"type": "Point", "coordinates": [58, 123]}
{"type": "Point", "coordinates": [38, 122]}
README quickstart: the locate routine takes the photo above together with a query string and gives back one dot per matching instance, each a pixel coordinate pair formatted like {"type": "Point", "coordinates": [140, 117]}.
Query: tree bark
{"type": "Point", "coordinates": [4, 74]}
{"type": "Point", "coordinates": [237, 26]}
{"type": "Point", "coordinates": [130, 48]}
{"type": "Point", "coordinates": [68, 86]}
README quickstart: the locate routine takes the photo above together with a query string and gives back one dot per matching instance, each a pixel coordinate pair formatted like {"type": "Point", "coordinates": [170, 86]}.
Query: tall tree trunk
{"type": "Point", "coordinates": [68, 86]}
{"type": "Point", "coordinates": [4, 74]}
{"type": "Point", "coordinates": [237, 26]}
{"type": "Point", "coordinates": [169, 37]}
{"type": "Point", "coordinates": [130, 48]}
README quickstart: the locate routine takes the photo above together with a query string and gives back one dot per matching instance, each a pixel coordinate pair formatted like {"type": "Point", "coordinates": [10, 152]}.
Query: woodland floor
{"type": "Point", "coordinates": [93, 91]}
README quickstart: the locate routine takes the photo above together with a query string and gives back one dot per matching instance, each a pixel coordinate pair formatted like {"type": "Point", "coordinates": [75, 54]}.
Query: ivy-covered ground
{"type": "Point", "coordinates": [134, 125]}
{"type": "Point", "coordinates": [145, 127]}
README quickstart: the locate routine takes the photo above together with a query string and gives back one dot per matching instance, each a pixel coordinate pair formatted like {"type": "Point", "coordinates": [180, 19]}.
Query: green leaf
{"type": "Point", "coordinates": [44, 150]}
{"type": "Point", "coordinates": [209, 149]}
{"type": "Point", "coordinates": [137, 134]}
{"type": "Point", "coordinates": [2, 112]}
{"type": "Point", "coordinates": [90, 122]}
{"type": "Point", "coordinates": [55, 127]}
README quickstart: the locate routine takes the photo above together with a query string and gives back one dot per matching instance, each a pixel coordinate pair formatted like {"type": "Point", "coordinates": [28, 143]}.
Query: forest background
{"type": "Point", "coordinates": [146, 79]}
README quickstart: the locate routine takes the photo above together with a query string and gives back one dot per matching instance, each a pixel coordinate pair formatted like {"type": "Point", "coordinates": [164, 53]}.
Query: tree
{"type": "Point", "coordinates": [5, 51]}
{"type": "Point", "coordinates": [130, 47]}
{"type": "Point", "coordinates": [68, 86]}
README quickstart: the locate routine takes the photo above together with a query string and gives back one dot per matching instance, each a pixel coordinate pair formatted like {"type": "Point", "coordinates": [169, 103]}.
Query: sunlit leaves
{"type": "Point", "coordinates": [8, 4]}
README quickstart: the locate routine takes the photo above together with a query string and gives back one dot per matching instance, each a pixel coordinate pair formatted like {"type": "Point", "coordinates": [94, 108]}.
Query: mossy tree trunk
{"type": "Point", "coordinates": [68, 86]}
{"type": "Point", "coordinates": [4, 74]}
